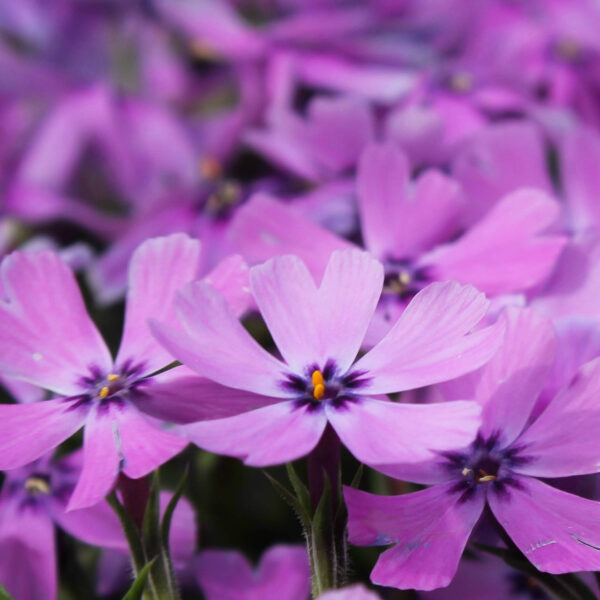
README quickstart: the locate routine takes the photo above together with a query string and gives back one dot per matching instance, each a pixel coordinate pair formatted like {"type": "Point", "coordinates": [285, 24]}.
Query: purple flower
{"type": "Point", "coordinates": [32, 502]}
{"type": "Point", "coordinates": [413, 230]}
{"type": "Point", "coordinates": [283, 573]}
{"type": "Point", "coordinates": [555, 530]}
{"type": "Point", "coordinates": [50, 341]}
{"type": "Point", "coordinates": [354, 592]}
{"type": "Point", "coordinates": [319, 332]}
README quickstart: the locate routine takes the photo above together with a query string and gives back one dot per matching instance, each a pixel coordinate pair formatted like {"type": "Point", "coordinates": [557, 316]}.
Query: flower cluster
{"type": "Point", "coordinates": [357, 238]}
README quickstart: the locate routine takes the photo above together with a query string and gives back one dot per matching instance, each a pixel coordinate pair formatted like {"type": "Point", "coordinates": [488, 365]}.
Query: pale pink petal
{"type": "Point", "coordinates": [347, 299]}
{"type": "Point", "coordinates": [507, 250]}
{"type": "Point", "coordinates": [382, 182]}
{"type": "Point", "coordinates": [513, 380]}
{"type": "Point", "coordinates": [158, 269]}
{"type": "Point", "coordinates": [267, 436]}
{"type": "Point", "coordinates": [353, 592]}
{"type": "Point", "coordinates": [429, 528]}
{"type": "Point", "coordinates": [143, 447]}
{"type": "Point", "coordinates": [216, 345]}
{"type": "Point", "coordinates": [563, 441]}
{"type": "Point", "coordinates": [432, 340]}
{"type": "Point", "coordinates": [558, 532]}
{"type": "Point", "coordinates": [287, 298]}
{"type": "Point", "coordinates": [264, 228]}
{"type": "Point", "coordinates": [28, 431]}
{"type": "Point", "coordinates": [230, 277]}
{"type": "Point", "coordinates": [379, 432]}
{"type": "Point", "coordinates": [101, 459]}
{"type": "Point", "coordinates": [47, 336]}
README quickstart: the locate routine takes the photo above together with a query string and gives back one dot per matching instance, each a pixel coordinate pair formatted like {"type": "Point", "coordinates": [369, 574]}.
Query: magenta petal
{"type": "Point", "coordinates": [42, 307]}
{"type": "Point", "coordinates": [266, 436]}
{"type": "Point", "coordinates": [382, 182]}
{"type": "Point", "coordinates": [158, 269]}
{"type": "Point", "coordinates": [563, 441]}
{"type": "Point", "coordinates": [227, 575]}
{"type": "Point", "coordinates": [100, 459]}
{"type": "Point", "coordinates": [512, 381]}
{"type": "Point", "coordinates": [97, 525]}
{"type": "Point", "coordinates": [27, 547]}
{"type": "Point", "coordinates": [353, 592]}
{"type": "Point", "coordinates": [429, 528]}
{"type": "Point", "coordinates": [216, 345]}
{"type": "Point", "coordinates": [264, 228]}
{"type": "Point", "coordinates": [381, 432]}
{"type": "Point", "coordinates": [432, 340]}
{"type": "Point", "coordinates": [506, 251]}
{"type": "Point", "coordinates": [230, 277]}
{"type": "Point", "coordinates": [28, 431]}
{"type": "Point", "coordinates": [143, 446]}
{"type": "Point", "coordinates": [558, 532]}
{"type": "Point", "coordinates": [182, 396]}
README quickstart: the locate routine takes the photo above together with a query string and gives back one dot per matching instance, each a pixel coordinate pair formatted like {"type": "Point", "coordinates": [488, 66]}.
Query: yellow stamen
{"type": "Point", "coordinates": [404, 278]}
{"type": "Point", "coordinates": [210, 167]}
{"type": "Point", "coordinates": [112, 377]}
{"type": "Point", "coordinates": [485, 477]}
{"type": "Point", "coordinates": [466, 471]}
{"type": "Point", "coordinates": [202, 50]}
{"type": "Point", "coordinates": [319, 385]}
{"type": "Point", "coordinates": [461, 82]}
{"type": "Point", "coordinates": [104, 392]}
{"type": "Point", "coordinates": [37, 485]}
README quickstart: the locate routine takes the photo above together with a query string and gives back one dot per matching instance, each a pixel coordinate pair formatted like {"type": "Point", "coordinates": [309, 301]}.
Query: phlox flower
{"type": "Point", "coordinates": [319, 331]}
{"type": "Point", "coordinates": [33, 500]}
{"type": "Point", "coordinates": [414, 229]}
{"type": "Point", "coordinates": [49, 340]}
{"type": "Point", "coordinates": [557, 531]}
{"type": "Point", "coordinates": [353, 592]}
{"type": "Point", "coordinates": [283, 572]}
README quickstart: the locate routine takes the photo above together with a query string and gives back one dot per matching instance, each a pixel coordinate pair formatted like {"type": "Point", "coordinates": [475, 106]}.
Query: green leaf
{"type": "Point", "coordinates": [137, 588]}
{"type": "Point", "coordinates": [4, 595]}
{"type": "Point", "coordinates": [302, 493]}
{"type": "Point", "coordinates": [294, 503]}
{"type": "Point", "coordinates": [150, 526]}
{"type": "Point", "coordinates": [131, 533]}
{"type": "Point", "coordinates": [322, 543]}
{"type": "Point", "coordinates": [165, 527]}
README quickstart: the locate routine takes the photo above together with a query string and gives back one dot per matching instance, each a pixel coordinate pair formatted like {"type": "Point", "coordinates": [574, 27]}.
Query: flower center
{"type": "Point", "coordinates": [113, 385]}
{"type": "Point", "coordinates": [318, 385]}
{"type": "Point", "coordinates": [36, 485]}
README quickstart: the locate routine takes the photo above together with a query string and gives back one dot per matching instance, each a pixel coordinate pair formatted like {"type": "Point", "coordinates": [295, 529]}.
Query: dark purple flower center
{"type": "Point", "coordinates": [485, 463]}
{"type": "Point", "coordinates": [114, 387]}
{"type": "Point", "coordinates": [325, 384]}
{"type": "Point", "coordinates": [403, 280]}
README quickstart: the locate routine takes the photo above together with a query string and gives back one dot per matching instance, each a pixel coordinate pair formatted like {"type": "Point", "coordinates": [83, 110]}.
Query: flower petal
{"type": "Point", "coordinates": [28, 431]}
{"type": "Point", "coordinates": [512, 381]}
{"type": "Point", "coordinates": [182, 396]}
{"type": "Point", "coordinates": [431, 341]}
{"type": "Point", "coordinates": [563, 441]}
{"type": "Point", "coordinates": [379, 432]}
{"type": "Point", "coordinates": [27, 546]}
{"type": "Point", "coordinates": [216, 345]}
{"type": "Point", "coordinates": [263, 437]}
{"type": "Point", "coordinates": [47, 338]}
{"type": "Point", "coordinates": [101, 459]}
{"type": "Point", "coordinates": [143, 446]}
{"type": "Point", "coordinates": [507, 251]}
{"type": "Point", "coordinates": [429, 528]}
{"type": "Point", "coordinates": [558, 532]}
{"type": "Point", "coordinates": [158, 269]}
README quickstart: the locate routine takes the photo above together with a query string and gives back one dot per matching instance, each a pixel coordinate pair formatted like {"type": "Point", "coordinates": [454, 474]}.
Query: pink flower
{"type": "Point", "coordinates": [319, 331]}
